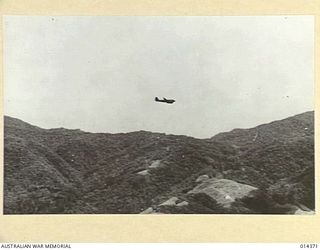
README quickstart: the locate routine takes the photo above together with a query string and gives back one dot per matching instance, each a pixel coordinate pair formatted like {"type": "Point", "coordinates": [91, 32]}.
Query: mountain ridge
{"type": "Point", "coordinates": [8, 117]}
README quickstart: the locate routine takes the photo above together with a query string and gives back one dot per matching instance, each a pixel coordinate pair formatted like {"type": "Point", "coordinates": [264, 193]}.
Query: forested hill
{"type": "Point", "coordinates": [266, 169]}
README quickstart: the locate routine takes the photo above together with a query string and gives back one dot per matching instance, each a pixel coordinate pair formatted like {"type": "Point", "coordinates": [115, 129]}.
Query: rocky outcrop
{"type": "Point", "coordinates": [202, 178]}
{"type": "Point", "coordinates": [182, 203]}
{"type": "Point", "coordinates": [303, 212]}
{"type": "Point", "coordinates": [155, 164]}
{"type": "Point", "coordinates": [143, 172]}
{"type": "Point", "coordinates": [223, 191]}
{"type": "Point", "coordinates": [149, 210]}
{"type": "Point", "coordinates": [171, 202]}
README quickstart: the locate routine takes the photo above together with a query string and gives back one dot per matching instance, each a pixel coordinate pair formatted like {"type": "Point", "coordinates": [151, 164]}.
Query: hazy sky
{"type": "Point", "coordinates": [101, 74]}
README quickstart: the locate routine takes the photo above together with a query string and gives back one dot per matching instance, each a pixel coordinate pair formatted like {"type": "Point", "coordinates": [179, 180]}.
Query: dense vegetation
{"type": "Point", "coordinates": [71, 171]}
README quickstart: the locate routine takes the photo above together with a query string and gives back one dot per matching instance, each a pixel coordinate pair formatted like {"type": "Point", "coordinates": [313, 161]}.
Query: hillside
{"type": "Point", "coordinates": [53, 171]}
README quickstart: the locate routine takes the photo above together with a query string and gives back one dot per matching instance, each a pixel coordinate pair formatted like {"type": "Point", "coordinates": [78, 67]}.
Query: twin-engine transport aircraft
{"type": "Point", "coordinates": [169, 101]}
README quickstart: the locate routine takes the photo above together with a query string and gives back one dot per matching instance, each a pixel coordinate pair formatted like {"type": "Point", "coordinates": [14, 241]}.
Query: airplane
{"type": "Point", "coordinates": [169, 101]}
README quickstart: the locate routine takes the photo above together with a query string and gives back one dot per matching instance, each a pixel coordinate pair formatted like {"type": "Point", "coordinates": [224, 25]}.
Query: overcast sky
{"type": "Point", "coordinates": [101, 74]}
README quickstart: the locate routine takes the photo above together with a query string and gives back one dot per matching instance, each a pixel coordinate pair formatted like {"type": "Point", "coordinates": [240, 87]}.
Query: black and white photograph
{"type": "Point", "coordinates": [157, 115]}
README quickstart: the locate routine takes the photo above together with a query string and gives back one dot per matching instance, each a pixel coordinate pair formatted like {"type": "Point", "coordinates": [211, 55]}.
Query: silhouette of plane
{"type": "Point", "coordinates": [169, 101]}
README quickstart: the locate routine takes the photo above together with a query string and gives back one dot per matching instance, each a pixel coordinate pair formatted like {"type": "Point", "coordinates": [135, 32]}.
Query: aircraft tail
{"type": "Point", "coordinates": [156, 99]}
